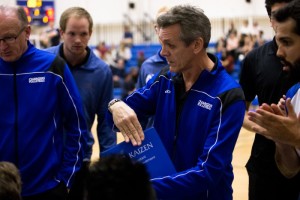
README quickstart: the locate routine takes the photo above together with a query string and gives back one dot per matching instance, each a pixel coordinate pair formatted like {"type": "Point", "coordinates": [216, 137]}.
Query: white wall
{"type": "Point", "coordinates": [112, 11]}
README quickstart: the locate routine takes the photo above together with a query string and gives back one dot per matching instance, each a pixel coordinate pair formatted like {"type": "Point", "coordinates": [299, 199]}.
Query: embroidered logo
{"type": "Point", "coordinates": [168, 91]}
{"type": "Point", "coordinates": [148, 77]}
{"type": "Point", "coordinates": [204, 104]}
{"type": "Point", "coordinates": [37, 80]}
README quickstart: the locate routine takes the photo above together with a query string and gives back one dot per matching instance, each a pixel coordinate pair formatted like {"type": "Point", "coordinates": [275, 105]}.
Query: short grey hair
{"type": "Point", "coordinates": [192, 20]}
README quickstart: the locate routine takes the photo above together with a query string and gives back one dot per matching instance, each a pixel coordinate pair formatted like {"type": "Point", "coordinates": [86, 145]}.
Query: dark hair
{"type": "Point", "coordinates": [270, 3]}
{"type": "Point", "coordinates": [193, 22]}
{"type": "Point", "coordinates": [114, 177]}
{"type": "Point", "coordinates": [290, 11]}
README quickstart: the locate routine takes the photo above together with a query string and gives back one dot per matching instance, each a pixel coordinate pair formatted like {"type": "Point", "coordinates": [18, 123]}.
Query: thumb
{"type": "Point", "coordinates": [290, 108]}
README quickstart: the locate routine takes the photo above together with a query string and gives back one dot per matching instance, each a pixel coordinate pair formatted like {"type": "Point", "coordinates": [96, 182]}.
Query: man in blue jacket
{"type": "Point", "coordinates": [93, 78]}
{"type": "Point", "coordinates": [153, 64]}
{"type": "Point", "coordinates": [198, 110]}
{"type": "Point", "coordinates": [41, 119]}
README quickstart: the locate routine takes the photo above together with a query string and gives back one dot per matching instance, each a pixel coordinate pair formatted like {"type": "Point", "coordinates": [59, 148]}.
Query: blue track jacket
{"type": "Point", "coordinates": [200, 137]}
{"type": "Point", "coordinates": [150, 66]}
{"type": "Point", "coordinates": [39, 102]}
{"type": "Point", "coordinates": [94, 81]}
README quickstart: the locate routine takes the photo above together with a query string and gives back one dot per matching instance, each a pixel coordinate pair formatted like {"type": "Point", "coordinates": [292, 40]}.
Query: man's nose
{"type": "Point", "coordinates": [280, 52]}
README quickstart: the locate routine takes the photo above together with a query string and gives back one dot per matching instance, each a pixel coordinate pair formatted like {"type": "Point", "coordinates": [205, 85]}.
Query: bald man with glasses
{"type": "Point", "coordinates": [12, 39]}
{"type": "Point", "coordinates": [41, 117]}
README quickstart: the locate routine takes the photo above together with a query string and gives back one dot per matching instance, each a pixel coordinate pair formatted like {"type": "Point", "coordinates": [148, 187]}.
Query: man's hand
{"type": "Point", "coordinates": [271, 122]}
{"type": "Point", "coordinates": [281, 104]}
{"type": "Point", "coordinates": [127, 122]}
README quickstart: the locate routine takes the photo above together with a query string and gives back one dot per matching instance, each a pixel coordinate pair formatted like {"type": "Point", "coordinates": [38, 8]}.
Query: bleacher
{"type": "Point", "coordinates": [148, 49]}
{"type": "Point", "coordinates": [236, 71]}
{"type": "Point", "coordinates": [151, 49]}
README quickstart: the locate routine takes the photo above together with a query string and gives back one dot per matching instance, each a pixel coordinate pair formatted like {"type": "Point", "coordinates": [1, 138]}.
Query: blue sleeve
{"type": "Point", "coordinates": [141, 78]}
{"type": "Point", "coordinates": [141, 101]}
{"type": "Point", "coordinates": [213, 164]}
{"type": "Point", "coordinates": [74, 128]}
{"type": "Point", "coordinates": [106, 137]}
{"type": "Point", "coordinates": [293, 90]}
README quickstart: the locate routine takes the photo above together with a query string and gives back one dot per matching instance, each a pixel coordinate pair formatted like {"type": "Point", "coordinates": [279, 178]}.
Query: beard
{"type": "Point", "coordinates": [294, 70]}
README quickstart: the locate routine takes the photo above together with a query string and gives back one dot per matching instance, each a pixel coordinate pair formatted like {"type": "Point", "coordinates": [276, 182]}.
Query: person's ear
{"type": "Point", "coordinates": [28, 31]}
{"type": "Point", "coordinates": [61, 33]}
{"type": "Point", "coordinates": [198, 45]}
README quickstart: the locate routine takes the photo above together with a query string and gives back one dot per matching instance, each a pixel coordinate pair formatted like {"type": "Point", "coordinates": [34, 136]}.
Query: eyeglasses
{"type": "Point", "coordinates": [11, 40]}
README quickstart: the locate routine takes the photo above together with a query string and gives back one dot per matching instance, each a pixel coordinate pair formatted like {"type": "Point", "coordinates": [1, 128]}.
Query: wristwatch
{"type": "Point", "coordinates": [112, 102]}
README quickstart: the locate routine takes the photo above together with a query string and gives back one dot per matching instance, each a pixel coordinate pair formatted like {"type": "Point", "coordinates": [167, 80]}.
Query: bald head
{"type": "Point", "coordinates": [14, 11]}
{"type": "Point", "coordinates": [14, 32]}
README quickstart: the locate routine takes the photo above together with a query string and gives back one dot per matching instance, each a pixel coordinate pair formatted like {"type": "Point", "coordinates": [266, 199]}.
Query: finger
{"type": "Point", "coordinates": [266, 107]}
{"type": "Point", "coordinates": [258, 126]}
{"type": "Point", "coordinates": [260, 130]}
{"type": "Point", "coordinates": [129, 133]}
{"type": "Point", "coordinates": [123, 126]}
{"type": "Point", "coordinates": [123, 132]}
{"type": "Point", "coordinates": [139, 129]}
{"type": "Point", "coordinates": [135, 138]}
{"type": "Point", "coordinates": [281, 105]}
{"type": "Point", "coordinates": [135, 129]}
{"type": "Point", "coordinates": [131, 130]}
{"type": "Point", "coordinates": [253, 116]}
{"type": "Point", "coordinates": [261, 117]}
{"type": "Point", "coordinates": [290, 109]}
{"type": "Point", "coordinates": [266, 114]}
{"type": "Point", "coordinates": [277, 110]}
{"type": "Point", "coordinates": [126, 139]}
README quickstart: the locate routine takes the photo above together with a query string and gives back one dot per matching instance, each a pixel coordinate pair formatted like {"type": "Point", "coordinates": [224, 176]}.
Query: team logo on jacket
{"type": "Point", "coordinates": [204, 104]}
{"type": "Point", "coordinates": [148, 77]}
{"type": "Point", "coordinates": [37, 80]}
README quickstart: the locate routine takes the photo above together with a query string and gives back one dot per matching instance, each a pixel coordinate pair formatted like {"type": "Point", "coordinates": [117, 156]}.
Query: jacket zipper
{"type": "Point", "coordinates": [177, 124]}
{"type": "Point", "coordinates": [176, 135]}
{"type": "Point", "coordinates": [16, 118]}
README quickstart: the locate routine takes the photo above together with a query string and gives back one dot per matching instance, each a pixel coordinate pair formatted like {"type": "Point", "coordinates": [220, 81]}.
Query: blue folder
{"type": "Point", "coordinates": [151, 152]}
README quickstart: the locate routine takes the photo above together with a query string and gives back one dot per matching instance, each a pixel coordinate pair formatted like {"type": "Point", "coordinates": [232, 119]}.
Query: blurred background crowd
{"type": "Point", "coordinates": [124, 36]}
